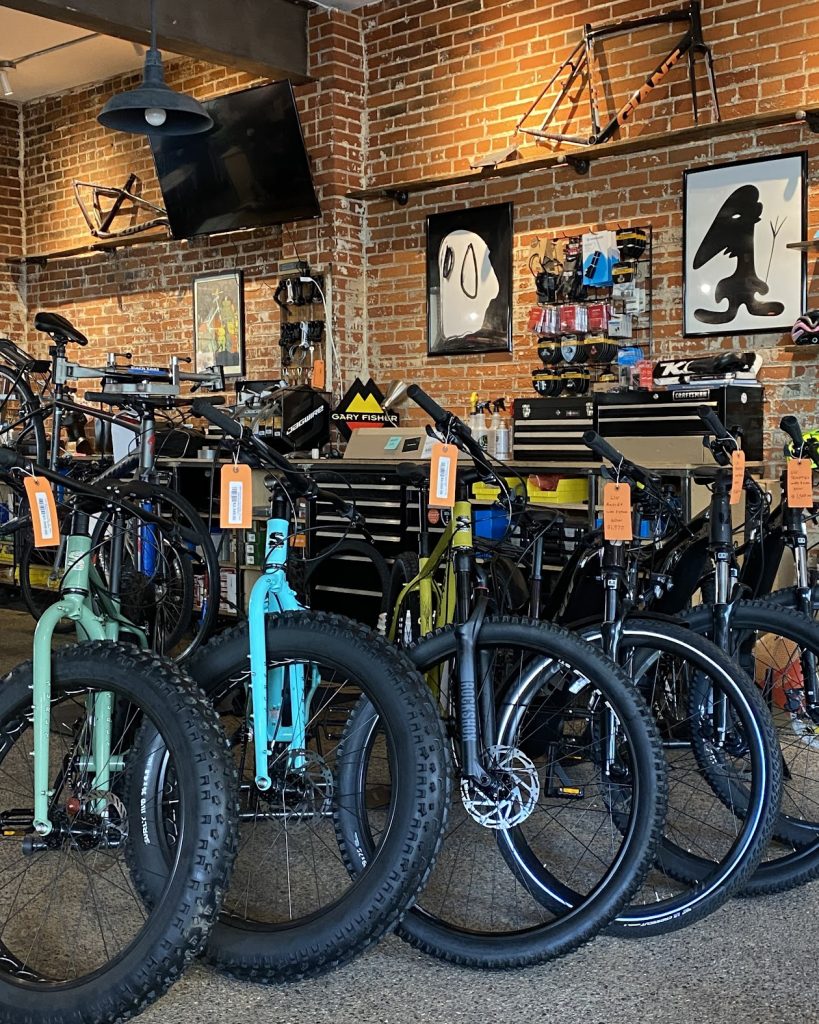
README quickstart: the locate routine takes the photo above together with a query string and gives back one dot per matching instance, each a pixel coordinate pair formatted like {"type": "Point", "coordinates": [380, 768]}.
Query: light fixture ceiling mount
{"type": "Point", "coordinates": [153, 108]}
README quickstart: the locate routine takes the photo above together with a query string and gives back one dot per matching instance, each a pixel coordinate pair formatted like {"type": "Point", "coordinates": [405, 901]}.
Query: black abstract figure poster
{"type": "Point", "coordinates": [469, 280]}
{"type": "Point", "coordinates": [740, 277]}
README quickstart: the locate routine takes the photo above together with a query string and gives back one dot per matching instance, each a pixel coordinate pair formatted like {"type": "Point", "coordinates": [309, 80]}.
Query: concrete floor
{"type": "Point", "coordinates": [745, 964]}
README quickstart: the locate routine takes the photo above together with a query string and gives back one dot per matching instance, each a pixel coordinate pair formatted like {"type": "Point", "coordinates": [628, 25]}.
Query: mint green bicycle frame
{"type": "Point", "coordinates": [75, 604]}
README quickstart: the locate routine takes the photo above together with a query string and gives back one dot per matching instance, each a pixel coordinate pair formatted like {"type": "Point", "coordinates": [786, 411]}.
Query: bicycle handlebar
{"type": "Point", "coordinates": [790, 424]}
{"type": "Point", "coordinates": [10, 459]}
{"type": "Point", "coordinates": [601, 447]}
{"type": "Point", "coordinates": [448, 424]}
{"type": "Point", "coordinates": [714, 424]}
{"type": "Point", "coordinates": [302, 484]}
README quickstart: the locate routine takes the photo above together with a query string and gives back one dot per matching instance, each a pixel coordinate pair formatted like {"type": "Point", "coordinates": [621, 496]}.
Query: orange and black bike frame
{"type": "Point", "coordinates": [581, 62]}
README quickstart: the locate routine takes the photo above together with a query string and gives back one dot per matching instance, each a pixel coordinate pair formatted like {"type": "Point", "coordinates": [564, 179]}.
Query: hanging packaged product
{"type": "Point", "coordinates": [536, 319]}
{"type": "Point", "coordinates": [549, 353]}
{"type": "Point", "coordinates": [597, 316]}
{"type": "Point", "coordinates": [631, 242]}
{"type": "Point", "coordinates": [628, 359]}
{"type": "Point", "coordinates": [547, 383]}
{"type": "Point", "coordinates": [600, 253]}
{"type": "Point", "coordinates": [620, 325]}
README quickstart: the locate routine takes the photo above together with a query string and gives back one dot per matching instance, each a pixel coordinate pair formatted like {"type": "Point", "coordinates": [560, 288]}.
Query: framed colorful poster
{"type": "Point", "coordinates": [739, 276]}
{"type": "Point", "coordinates": [469, 281]}
{"type": "Point", "coordinates": [218, 323]}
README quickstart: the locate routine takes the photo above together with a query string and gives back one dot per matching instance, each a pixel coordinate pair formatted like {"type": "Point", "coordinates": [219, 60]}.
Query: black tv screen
{"type": "Point", "coordinates": [250, 169]}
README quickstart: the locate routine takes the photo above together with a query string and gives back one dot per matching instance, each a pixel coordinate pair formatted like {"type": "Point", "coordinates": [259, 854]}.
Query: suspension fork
{"type": "Point", "coordinates": [614, 575]}
{"type": "Point", "coordinates": [468, 620]}
{"type": "Point", "coordinates": [536, 577]}
{"type": "Point", "coordinates": [73, 604]}
{"type": "Point", "coordinates": [722, 554]}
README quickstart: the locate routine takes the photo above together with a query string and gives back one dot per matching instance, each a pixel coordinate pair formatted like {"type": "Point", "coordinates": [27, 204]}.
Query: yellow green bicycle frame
{"type": "Point", "coordinates": [437, 601]}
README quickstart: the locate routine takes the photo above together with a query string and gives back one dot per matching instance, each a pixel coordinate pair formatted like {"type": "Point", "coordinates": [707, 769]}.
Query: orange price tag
{"type": "Point", "coordinates": [800, 483]}
{"type": "Point", "coordinates": [617, 511]}
{"type": "Point", "coordinates": [236, 496]}
{"type": "Point", "coordinates": [43, 512]}
{"type": "Point", "coordinates": [319, 375]}
{"type": "Point", "coordinates": [737, 474]}
{"type": "Point", "coordinates": [442, 472]}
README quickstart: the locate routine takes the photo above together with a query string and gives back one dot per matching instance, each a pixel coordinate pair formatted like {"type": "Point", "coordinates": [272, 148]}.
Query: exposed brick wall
{"type": "Point", "coordinates": [404, 90]}
{"type": "Point", "coordinates": [141, 299]}
{"type": "Point", "coordinates": [12, 300]}
{"type": "Point", "coordinates": [448, 82]}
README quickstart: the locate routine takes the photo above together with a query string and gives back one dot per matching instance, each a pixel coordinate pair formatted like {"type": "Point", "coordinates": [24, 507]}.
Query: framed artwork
{"type": "Point", "coordinates": [469, 281]}
{"type": "Point", "coordinates": [218, 323]}
{"type": "Point", "coordinates": [739, 276]}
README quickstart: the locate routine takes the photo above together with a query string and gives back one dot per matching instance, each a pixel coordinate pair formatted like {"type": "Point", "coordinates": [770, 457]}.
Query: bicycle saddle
{"type": "Point", "coordinates": [58, 328]}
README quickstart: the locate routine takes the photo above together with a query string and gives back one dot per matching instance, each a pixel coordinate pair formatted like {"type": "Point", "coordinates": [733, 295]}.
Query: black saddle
{"type": "Point", "coordinates": [58, 328]}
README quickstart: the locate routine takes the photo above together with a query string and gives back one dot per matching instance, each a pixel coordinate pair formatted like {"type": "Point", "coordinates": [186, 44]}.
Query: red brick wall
{"type": "Point", "coordinates": [404, 90]}
{"type": "Point", "coordinates": [448, 82]}
{"type": "Point", "coordinates": [12, 299]}
{"type": "Point", "coordinates": [141, 299]}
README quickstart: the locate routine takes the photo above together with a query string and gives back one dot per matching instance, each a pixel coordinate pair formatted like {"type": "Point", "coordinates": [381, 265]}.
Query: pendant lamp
{"type": "Point", "coordinates": [153, 108]}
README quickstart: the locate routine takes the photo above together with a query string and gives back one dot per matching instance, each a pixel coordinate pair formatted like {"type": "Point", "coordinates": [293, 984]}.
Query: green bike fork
{"type": "Point", "coordinates": [73, 604]}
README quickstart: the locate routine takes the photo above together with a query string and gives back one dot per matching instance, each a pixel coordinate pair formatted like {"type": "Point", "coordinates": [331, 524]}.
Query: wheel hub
{"type": "Point", "coordinates": [513, 795]}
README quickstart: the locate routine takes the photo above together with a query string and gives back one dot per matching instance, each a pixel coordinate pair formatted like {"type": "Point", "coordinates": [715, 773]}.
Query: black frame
{"type": "Point", "coordinates": [494, 224]}
{"type": "Point", "coordinates": [231, 370]}
{"type": "Point", "coordinates": [726, 330]}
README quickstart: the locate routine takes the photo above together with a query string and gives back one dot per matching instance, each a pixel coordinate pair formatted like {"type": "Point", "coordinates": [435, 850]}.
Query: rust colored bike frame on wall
{"type": "Point", "coordinates": [581, 64]}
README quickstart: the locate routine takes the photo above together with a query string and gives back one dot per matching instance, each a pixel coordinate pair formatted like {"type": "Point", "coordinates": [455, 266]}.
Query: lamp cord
{"type": "Point", "coordinates": [153, 24]}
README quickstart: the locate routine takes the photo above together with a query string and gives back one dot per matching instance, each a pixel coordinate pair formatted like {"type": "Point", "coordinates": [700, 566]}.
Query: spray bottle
{"type": "Point", "coordinates": [500, 428]}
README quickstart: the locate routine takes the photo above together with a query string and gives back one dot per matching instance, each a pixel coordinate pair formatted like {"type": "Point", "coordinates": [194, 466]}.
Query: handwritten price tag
{"type": "Point", "coordinates": [800, 483]}
{"type": "Point", "coordinates": [737, 474]}
{"type": "Point", "coordinates": [235, 497]}
{"type": "Point", "coordinates": [617, 511]}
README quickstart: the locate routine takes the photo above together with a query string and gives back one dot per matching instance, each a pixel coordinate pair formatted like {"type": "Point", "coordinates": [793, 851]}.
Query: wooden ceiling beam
{"type": "Point", "coordinates": [263, 37]}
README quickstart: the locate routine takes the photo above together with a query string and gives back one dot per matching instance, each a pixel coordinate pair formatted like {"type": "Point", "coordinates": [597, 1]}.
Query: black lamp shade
{"type": "Point", "coordinates": [126, 111]}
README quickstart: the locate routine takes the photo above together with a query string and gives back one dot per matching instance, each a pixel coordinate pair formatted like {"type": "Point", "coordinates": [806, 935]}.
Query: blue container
{"type": "Point", "coordinates": [490, 523]}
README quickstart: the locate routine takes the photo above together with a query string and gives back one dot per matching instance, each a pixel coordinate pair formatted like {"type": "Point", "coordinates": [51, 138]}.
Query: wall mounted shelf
{"type": "Point", "coordinates": [812, 245]}
{"type": "Point", "coordinates": [102, 245]}
{"type": "Point", "coordinates": [581, 157]}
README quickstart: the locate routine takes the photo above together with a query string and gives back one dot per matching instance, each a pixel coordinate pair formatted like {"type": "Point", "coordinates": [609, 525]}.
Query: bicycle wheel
{"type": "Point", "coordinates": [725, 778]}
{"type": "Point", "coordinates": [404, 569]}
{"type": "Point", "coordinates": [350, 568]}
{"type": "Point", "coordinates": [770, 642]}
{"type": "Point", "coordinates": [78, 944]}
{"type": "Point", "coordinates": [589, 817]}
{"type": "Point", "coordinates": [21, 427]}
{"type": "Point", "coordinates": [163, 572]}
{"type": "Point", "coordinates": [294, 909]}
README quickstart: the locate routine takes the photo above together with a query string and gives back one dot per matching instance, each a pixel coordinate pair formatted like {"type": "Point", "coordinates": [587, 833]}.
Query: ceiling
{"type": "Point", "coordinates": [88, 58]}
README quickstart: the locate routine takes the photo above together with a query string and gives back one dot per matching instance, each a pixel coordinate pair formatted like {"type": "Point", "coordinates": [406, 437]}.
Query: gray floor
{"type": "Point", "coordinates": [750, 962]}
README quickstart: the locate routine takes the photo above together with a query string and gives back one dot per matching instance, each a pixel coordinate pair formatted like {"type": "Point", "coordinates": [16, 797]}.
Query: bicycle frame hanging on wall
{"type": "Point", "coordinates": [580, 64]}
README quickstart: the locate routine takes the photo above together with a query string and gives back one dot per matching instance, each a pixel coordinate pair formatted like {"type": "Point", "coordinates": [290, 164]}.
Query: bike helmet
{"type": "Point", "coordinates": [806, 329]}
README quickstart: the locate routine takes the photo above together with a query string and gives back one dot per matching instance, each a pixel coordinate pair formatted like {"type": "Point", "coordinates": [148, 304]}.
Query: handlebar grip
{"type": "Point", "coordinates": [205, 409]}
{"type": "Point", "coordinates": [712, 421]}
{"type": "Point", "coordinates": [429, 405]}
{"type": "Point", "coordinates": [790, 424]}
{"type": "Point", "coordinates": [9, 458]}
{"type": "Point", "coordinates": [600, 446]}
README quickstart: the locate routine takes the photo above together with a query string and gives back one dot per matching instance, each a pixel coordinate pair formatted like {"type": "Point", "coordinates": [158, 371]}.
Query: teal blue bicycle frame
{"type": "Point", "coordinates": [270, 594]}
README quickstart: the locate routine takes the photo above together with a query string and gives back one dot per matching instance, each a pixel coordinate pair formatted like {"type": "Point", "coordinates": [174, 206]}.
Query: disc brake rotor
{"type": "Point", "coordinates": [518, 789]}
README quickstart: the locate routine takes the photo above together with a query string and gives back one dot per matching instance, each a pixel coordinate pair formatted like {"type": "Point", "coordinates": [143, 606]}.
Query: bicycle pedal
{"type": "Point", "coordinates": [568, 792]}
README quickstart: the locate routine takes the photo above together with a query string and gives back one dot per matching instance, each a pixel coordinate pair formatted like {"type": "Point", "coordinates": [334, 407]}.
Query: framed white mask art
{"type": "Point", "coordinates": [469, 281]}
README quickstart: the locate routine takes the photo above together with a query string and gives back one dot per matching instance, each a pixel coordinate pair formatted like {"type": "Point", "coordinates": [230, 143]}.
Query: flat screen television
{"type": "Point", "coordinates": [249, 170]}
